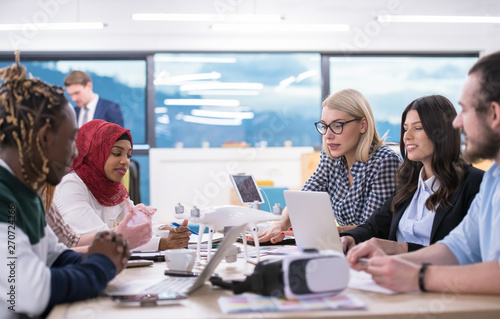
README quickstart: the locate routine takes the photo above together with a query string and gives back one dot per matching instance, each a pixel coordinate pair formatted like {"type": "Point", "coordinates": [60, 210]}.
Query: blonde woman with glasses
{"type": "Point", "coordinates": [355, 168]}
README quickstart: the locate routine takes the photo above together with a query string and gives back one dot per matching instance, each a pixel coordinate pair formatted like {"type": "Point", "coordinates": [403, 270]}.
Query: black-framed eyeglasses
{"type": "Point", "coordinates": [336, 127]}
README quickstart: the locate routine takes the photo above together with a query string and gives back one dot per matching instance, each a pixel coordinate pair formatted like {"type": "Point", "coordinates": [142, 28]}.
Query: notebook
{"type": "Point", "coordinates": [180, 285]}
{"type": "Point", "coordinates": [312, 219]}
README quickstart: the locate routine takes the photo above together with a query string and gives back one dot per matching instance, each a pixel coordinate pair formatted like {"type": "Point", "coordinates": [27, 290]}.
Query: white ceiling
{"type": "Point", "coordinates": [366, 34]}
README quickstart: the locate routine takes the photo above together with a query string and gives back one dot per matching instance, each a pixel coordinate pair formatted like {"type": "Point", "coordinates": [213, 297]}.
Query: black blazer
{"type": "Point", "coordinates": [107, 111]}
{"type": "Point", "coordinates": [383, 224]}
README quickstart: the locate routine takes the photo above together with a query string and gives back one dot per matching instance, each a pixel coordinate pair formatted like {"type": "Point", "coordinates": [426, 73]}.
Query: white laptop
{"type": "Point", "coordinates": [312, 220]}
{"type": "Point", "coordinates": [175, 287]}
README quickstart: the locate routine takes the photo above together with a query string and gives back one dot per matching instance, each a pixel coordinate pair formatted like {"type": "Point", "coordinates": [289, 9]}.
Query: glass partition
{"type": "Point", "coordinates": [216, 99]}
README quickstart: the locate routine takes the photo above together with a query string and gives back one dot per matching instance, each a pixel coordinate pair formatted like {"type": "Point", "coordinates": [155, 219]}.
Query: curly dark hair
{"type": "Point", "coordinates": [27, 104]}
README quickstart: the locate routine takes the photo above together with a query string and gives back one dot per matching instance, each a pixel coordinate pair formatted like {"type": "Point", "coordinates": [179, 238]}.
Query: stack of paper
{"type": "Point", "coordinates": [257, 303]}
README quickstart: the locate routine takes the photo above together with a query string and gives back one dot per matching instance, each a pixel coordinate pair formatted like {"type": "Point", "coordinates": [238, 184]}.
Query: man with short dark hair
{"type": "Point", "coordinates": [89, 105]}
{"type": "Point", "coordinates": [467, 260]}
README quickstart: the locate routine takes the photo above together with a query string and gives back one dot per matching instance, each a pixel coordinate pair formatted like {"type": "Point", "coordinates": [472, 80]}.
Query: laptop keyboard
{"type": "Point", "coordinates": [172, 284]}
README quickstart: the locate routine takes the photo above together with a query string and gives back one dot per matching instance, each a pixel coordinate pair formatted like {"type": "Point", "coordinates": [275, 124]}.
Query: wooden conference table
{"type": "Point", "coordinates": [203, 302]}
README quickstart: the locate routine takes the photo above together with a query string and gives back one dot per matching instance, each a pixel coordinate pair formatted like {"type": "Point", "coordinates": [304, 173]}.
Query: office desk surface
{"type": "Point", "coordinates": [203, 303]}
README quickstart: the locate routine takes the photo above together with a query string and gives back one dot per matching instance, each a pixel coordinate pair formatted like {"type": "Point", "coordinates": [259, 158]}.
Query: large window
{"type": "Point", "coordinates": [123, 82]}
{"type": "Point", "coordinates": [390, 83]}
{"type": "Point", "coordinates": [258, 99]}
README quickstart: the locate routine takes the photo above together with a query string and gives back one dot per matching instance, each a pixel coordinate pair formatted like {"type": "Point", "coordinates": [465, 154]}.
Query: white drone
{"type": "Point", "coordinates": [218, 217]}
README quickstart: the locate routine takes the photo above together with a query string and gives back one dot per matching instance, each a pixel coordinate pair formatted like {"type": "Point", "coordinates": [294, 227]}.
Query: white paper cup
{"type": "Point", "coordinates": [180, 259]}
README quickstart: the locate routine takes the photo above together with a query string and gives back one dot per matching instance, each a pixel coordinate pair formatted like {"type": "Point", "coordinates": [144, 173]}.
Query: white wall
{"type": "Point", "coordinates": [201, 176]}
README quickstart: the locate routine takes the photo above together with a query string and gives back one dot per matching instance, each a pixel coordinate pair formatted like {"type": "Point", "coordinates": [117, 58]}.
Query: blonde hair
{"type": "Point", "coordinates": [355, 104]}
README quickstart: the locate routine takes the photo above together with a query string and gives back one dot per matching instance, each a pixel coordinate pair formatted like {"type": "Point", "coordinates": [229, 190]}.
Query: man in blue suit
{"type": "Point", "coordinates": [89, 106]}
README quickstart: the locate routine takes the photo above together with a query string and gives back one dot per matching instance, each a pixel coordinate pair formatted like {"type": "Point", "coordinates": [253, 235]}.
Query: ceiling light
{"type": "Point", "coordinates": [211, 121]}
{"type": "Point", "coordinates": [169, 80]}
{"type": "Point", "coordinates": [304, 75]}
{"type": "Point", "coordinates": [198, 102]}
{"type": "Point", "coordinates": [213, 85]}
{"type": "Point", "coordinates": [223, 114]}
{"type": "Point", "coordinates": [225, 108]}
{"type": "Point", "coordinates": [437, 19]}
{"type": "Point", "coordinates": [206, 17]}
{"type": "Point", "coordinates": [53, 26]}
{"type": "Point", "coordinates": [234, 27]}
{"type": "Point", "coordinates": [161, 58]}
{"type": "Point", "coordinates": [223, 92]}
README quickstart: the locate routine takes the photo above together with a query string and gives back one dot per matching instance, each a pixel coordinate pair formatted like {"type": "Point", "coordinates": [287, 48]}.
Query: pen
{"type": "Point", "coordinates": [363, 260]}
{"type": "Point", "coordinates": [192, 231]}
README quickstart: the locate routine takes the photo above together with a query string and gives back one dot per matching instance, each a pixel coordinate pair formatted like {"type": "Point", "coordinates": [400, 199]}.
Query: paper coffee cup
{"type": "Point", "coordinates": [180, 259]}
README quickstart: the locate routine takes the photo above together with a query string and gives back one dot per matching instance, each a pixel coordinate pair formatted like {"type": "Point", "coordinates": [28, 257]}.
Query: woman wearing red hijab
{"type": "Point", "coordinates": [91, 197]}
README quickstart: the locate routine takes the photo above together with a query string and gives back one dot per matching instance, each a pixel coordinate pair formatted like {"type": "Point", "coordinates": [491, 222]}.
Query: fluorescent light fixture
{"type": "Point", "coordinates": [291, 79]}
{"type": "Point", "coordinates": [223, 92]}
{"type": "Point", "coordinates": [169, 80]}
{"type": "Point", "coordinates": [213, 85]}
{"type": "Point", "coordinates": [164, 119]}
{"type": "Point", "coordinates": [226, 108]}
{"type": "Point", "coordinates": [234, 27]}
{"type": "Point", "coordinates": [206, 17]}
{"type": "Point", "coordinates": [197, 102]}
{"type": "Point", "coordinates": [222, 114]}
{"type": "Point", "coordinates": [160, 109]}
{"type": "Point", "coordinates": [304, 75]}
{"type": "Point", "coordinates": [141, 147]}
{"type": "Point", "coordinates": [437, 19]}
{"type": "Point", "coordinates": [211, 121]}
{"type": "Point", "coordinates": [53, 26]}
{"type": "Point", "coordinates": [185, 59]}
{"type": "Point", "coordinates": [286, 82]}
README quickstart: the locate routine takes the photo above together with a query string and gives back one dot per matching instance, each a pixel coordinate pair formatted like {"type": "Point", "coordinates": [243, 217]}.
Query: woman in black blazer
{"type": "Point", "coordinates": [434, 185]}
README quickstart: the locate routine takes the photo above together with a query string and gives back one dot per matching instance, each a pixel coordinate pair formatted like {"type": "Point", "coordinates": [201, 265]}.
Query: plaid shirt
{"type": "Point", "coordinates": [373, 183]}
{"type": "Point", "coordinates": [63, 231]}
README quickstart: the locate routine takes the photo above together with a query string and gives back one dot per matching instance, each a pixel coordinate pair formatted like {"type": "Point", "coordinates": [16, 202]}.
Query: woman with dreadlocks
{"type": "Point", "coordinates": [37, 146]}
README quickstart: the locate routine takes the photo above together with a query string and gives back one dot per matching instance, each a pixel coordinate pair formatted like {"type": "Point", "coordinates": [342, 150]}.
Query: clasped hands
{"type": "Point", "coordinates": [112, 245]}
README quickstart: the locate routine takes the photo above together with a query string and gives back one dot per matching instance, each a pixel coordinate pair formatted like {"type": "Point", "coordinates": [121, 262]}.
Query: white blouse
{"type": "Point", "coordinates": [81, 210]}
{"type": "Point", "coordinates": [415, 226]}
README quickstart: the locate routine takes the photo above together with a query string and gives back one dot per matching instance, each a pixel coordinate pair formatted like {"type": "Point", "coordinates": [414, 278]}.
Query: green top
{"type": "Point", "coordinates": [21, 206]}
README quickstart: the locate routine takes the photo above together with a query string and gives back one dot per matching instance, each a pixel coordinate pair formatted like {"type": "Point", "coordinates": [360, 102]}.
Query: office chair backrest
{"type": "Point", "coordinates": [134, 183]}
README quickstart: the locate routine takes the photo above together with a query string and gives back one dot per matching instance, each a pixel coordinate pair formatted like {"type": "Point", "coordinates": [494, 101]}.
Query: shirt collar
{"type": "Point", "coordinates": [428, 184]}
{"type": "Point", "coordinates": [93, 103]}
{"type": "Point", "coordinates": [6, 166]}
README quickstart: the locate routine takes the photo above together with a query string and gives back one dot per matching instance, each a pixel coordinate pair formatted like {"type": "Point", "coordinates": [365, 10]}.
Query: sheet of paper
{"type": "Point", "coordinates": [256, 303]}
{"type": "Point", "coordinates": [363, 281]}
{"type": "Point", "coordinates": [193, 239]}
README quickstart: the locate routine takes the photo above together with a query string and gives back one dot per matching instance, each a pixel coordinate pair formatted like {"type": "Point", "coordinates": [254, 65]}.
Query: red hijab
{"type": "Point", "coordinates": [94, 142]}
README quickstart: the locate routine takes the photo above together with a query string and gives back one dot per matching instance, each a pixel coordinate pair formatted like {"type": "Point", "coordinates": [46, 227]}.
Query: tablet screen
{"type": "Point", "coordinates": [246, 188]}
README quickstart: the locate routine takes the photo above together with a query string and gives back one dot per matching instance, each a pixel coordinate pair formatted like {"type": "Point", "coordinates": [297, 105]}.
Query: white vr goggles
{"type": "Point", "coordinates": [308, 275]}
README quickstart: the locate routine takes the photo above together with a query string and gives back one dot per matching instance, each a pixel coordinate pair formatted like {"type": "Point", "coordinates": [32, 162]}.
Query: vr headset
{"type": "Point", "coordinates": [308, 275]}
